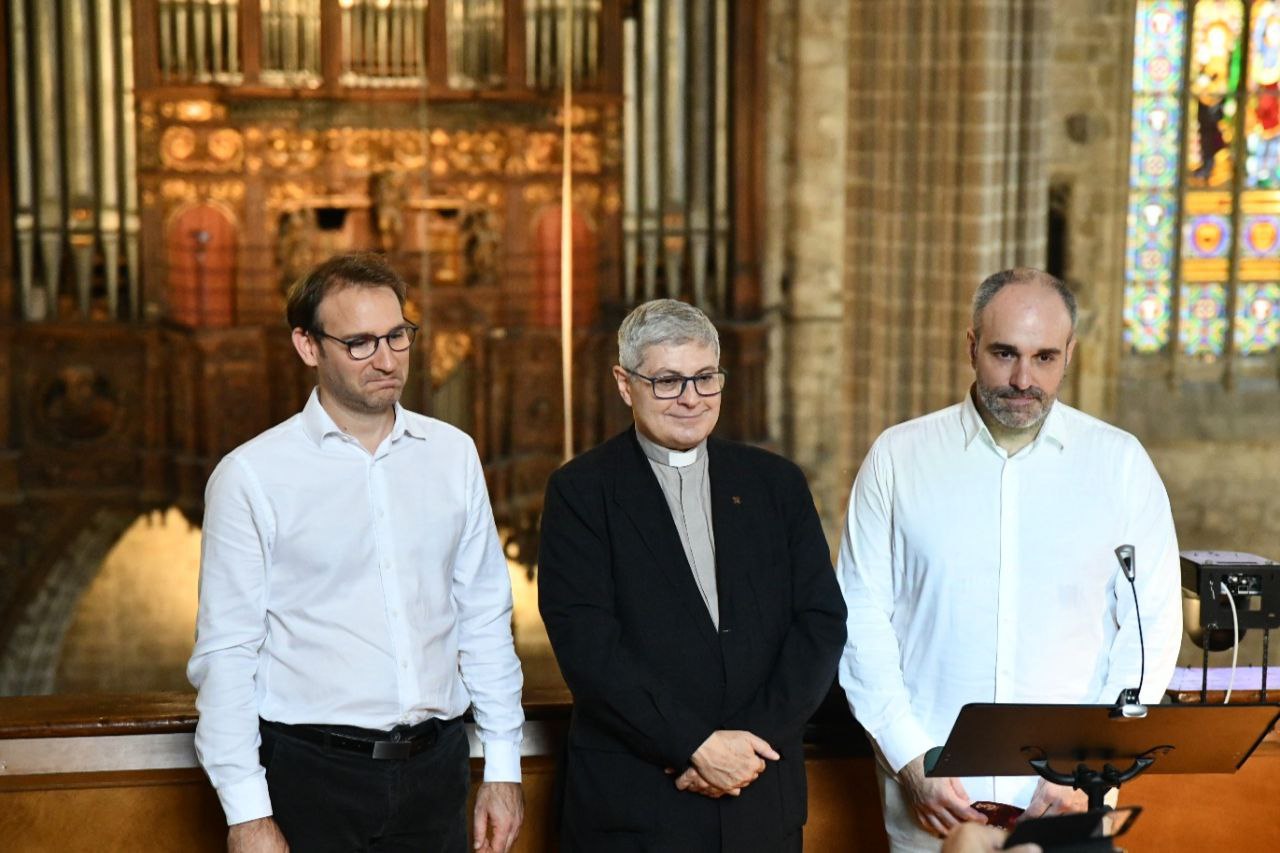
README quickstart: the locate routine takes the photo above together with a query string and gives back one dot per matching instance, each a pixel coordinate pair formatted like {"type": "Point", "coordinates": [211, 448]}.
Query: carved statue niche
{"type": "Point", "coordinates": [546, 268]}
{"type": "Point", "coordinates": [295, 246]}
{"type": "Point", "coordinates": [481, 248]}
{"type": "Point", "coordinates": [387, 191]}
{"type": "Point", "coordinates": [201, 244]}
{"type": "Point", "coordinates": [78, 405]}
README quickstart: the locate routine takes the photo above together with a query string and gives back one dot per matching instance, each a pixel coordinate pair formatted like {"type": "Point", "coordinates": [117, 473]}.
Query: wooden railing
{"type": "Point", "coordinates": [88, 773]}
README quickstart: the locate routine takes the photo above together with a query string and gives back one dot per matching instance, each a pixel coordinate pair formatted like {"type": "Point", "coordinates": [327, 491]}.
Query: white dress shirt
{"type": "Point", "coordinates": [975, 576]}
{"type": "Point", "coordinates": [341, 587]}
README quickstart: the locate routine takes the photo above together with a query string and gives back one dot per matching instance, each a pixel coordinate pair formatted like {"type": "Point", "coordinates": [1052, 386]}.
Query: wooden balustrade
{"type": "Point", "coordinates": [119, 773]}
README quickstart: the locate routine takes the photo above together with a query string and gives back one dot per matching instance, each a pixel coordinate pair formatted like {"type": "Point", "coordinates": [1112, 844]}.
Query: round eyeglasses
{"type": "Point", "coordinates": [361, 347]}
{"type": "Point", "coordinates": [707, 384]}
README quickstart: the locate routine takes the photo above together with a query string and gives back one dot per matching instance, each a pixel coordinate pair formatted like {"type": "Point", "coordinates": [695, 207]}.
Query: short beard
{"type": "Point", "coordinates": [353, 401]}
{"type": "Point", "coordinates": [993, 401]}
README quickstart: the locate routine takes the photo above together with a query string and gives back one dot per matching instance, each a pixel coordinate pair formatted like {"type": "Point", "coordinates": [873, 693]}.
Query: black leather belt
{"type": "Point", "coordinates": [399, 743]}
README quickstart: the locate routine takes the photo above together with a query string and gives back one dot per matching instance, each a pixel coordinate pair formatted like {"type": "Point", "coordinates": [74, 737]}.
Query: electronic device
{"type": "Point", "coordinates": [1225, 593]}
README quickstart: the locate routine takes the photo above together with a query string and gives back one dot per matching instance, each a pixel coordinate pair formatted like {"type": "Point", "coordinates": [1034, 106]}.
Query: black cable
{"type": "Point", "coordinates": [1142, 646]}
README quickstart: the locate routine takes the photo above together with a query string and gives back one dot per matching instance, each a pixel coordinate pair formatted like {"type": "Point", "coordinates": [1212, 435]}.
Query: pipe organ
{"type": "Point", "coordinates": [676, 217]}
{"type": "Point", "coordinates": [384, 42]}
{"type": "Point", "coordinates": [199, 41]}
{"type": "Point", "coordinates": [75, 204]}
{"type": "Point", "coordinates": [177, 163]}
{"type": "Point", "coordinates": [290, 41]}
{"type": "Point", "coordinates": [547, 39]}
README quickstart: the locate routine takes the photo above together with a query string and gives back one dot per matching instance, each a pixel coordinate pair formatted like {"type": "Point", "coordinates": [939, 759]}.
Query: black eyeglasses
{"type": "Point", "coordinates": [707, 384]}
{"type": "Point", "coordinates": [361, 347]}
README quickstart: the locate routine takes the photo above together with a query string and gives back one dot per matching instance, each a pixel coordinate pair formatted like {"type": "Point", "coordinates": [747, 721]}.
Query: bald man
{"type": "Point", "coordinates": [978, 563]}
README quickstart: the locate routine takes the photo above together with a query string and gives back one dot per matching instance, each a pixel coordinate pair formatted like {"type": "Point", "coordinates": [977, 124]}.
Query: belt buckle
{"type": "Point", "coordinates": [392, 749]}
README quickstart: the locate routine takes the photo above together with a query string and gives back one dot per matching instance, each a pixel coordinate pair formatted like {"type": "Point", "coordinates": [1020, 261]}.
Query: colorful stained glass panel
{"type": "Point", "coordinates": [1146, 316]}
{"type": "Point", "coordinates": [1150, 235]}
{"type": "Point", "coordinates": [1153, 174]}
{"type": "Point", "coordinates": [1260, 236]}
{"type": "Point", "coordinates": [1157, 55]}
{"type": "Point", "coordinates": [1202, 326]}
{"type": "Point", "coordinates": [1213, 78]}
{"type": "Point", "coordinates": [1154, 147]}
{"type": "Point", "coordinates": [1257, 318]}
{"type": "Point", "coordinates": [1207, 236]}
{"type": "Point", "coordinates": [1262, 119]}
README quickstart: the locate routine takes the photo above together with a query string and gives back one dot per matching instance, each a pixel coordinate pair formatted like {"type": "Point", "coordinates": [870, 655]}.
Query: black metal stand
{"type": "Point", "coordinates": [1204, 674]}
{"type": "Point", "coordinates": [1106, 745]}
{"type": "Point", "coordinates": [1266, 639]}
{"type": "Point", "coordinates": [1096, 783]}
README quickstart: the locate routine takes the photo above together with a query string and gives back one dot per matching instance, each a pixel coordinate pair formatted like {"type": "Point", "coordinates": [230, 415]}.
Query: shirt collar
{"type": "Point", "coordinates": [317, 424]}
{"type": "Point", "coordinates": [1055, 428]}
{"type": "Point", "coordinates": [670, 458]}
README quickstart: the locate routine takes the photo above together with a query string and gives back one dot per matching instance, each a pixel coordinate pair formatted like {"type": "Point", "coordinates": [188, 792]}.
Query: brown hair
{"type": "Point", "coordinates": [359, 269]}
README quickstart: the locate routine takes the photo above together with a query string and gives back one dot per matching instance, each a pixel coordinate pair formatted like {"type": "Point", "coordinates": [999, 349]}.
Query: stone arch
{"type": "Point", "coordinates": [29, 661]}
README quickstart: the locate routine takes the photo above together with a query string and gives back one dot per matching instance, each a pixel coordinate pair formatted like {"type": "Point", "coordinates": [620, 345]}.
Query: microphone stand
{"type": "Point", "coordinates": [1128, 704]}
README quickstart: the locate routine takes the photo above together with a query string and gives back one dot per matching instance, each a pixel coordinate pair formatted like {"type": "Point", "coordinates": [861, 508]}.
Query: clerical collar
{"type": "Point", "coordinates": [670, 458]}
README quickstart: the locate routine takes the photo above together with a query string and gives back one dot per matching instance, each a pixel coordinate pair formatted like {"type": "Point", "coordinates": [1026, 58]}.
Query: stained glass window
{"type": "Point", "coordinates": [1257, 325]}
{"type": "Point", "coordinates": [1202, 328]}
{"type": "Point", "coordinates": [1202, 266]}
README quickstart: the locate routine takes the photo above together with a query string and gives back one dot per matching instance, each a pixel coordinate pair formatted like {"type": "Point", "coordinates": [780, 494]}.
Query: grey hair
{"type": "Point", "coordinates": [993, 284]}
{"type": "Point", "coordinates": [663, 322]}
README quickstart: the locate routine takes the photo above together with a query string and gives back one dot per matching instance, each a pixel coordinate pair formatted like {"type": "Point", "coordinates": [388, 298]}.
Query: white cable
{"type": "Point", "coordinates": [1235, 642]}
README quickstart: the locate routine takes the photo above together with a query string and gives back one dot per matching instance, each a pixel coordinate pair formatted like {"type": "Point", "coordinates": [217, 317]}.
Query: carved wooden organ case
{"type": "Point", "coordinates": [185, 160]}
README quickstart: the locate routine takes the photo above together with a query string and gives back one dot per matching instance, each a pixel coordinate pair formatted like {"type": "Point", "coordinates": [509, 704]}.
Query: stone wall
{"type": "Point", "coordinates": [1087, 146]}
{"type": "Point", "coordinates": [913, 135]}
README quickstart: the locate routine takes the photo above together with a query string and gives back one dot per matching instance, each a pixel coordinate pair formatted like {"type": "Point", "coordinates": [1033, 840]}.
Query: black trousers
{"type": "Point", "coordinates": [329, 800]}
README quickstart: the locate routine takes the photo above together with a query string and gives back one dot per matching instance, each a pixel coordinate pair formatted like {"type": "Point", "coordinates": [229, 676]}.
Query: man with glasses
{"type": "Point", "coordinates": [688, 593]}
{"type": "Point", "coordinates": [354, 603]}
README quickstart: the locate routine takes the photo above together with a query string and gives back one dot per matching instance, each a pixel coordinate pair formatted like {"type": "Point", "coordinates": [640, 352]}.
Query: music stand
{"type": "Point", "coordinates": [1012, 739]}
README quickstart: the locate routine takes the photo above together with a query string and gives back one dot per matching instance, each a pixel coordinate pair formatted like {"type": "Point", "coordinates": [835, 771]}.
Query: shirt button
{"type": "Point", "coordinates": [404, 664]}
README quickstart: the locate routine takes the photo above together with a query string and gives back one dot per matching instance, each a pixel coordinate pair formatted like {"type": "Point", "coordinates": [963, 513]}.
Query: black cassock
{"type": "Point", "coordinates": [650, 674]}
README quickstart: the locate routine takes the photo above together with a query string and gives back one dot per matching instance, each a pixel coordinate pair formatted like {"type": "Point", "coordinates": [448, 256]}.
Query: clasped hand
{"type": "Point", "coordinates": [941, 804]}
{"type": "Point", "coordinates": [725, 763]}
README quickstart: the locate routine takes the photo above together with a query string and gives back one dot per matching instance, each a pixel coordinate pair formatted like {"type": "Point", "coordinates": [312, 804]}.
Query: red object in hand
{"type": "Point", "coordinates": [1001, 815]}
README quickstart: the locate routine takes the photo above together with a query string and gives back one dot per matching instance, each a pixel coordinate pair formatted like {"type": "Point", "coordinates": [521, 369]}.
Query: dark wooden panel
{"type": "Point", "coordinates": [77, 716]}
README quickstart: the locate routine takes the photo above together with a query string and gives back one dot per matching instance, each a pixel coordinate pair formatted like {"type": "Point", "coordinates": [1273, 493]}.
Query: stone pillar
{"type": "Point", "coordinates": [1091, 50]}
{"type": "Point", "coordinates": [946, 184]}
{"type": "Point", "coordinates": [807, 45]}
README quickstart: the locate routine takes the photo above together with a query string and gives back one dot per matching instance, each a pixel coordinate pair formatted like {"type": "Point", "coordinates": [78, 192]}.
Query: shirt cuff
{"type": "Point", "coordinates": [501, 761]}
{"type": "Point", "coordinates": [246, 800]}
{"type": "Point", "coordinates": [902, 741]}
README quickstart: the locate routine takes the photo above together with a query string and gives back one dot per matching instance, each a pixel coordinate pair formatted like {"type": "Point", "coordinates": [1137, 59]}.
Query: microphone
{"type": "Point", "coordinates": [1128, 704]}
{"type": "Point", "coordinates": [1125, 555]}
